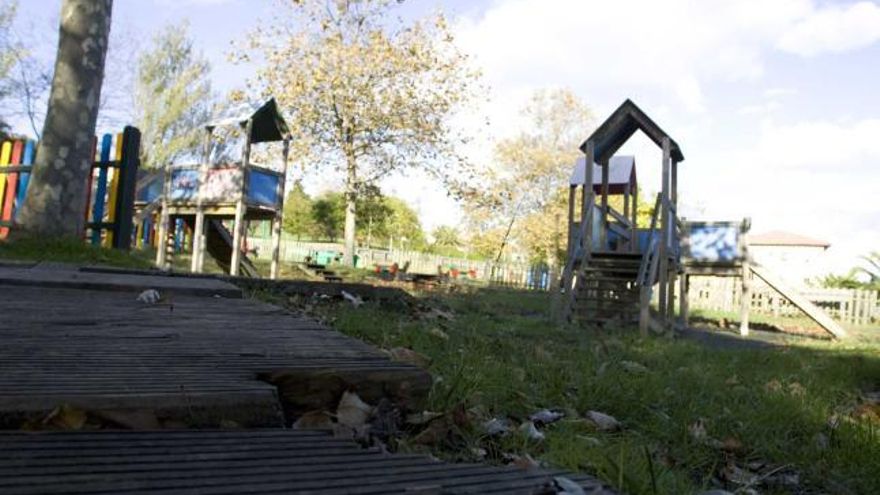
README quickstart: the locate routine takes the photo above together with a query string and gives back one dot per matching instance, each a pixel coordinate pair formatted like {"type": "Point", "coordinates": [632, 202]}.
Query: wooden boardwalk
{"type": "Point", "coordinates": [198, 360]}
{"type": "Point", "coordinates": [232, 462]}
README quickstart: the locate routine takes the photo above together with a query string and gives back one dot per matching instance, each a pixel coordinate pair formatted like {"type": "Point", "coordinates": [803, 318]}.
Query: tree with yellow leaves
{"type": "Point", "coordinates": [364, 93]}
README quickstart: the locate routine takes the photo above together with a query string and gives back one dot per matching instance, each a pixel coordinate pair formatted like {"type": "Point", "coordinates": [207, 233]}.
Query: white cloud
{"type": "Point", "coordinates": [836, 28]}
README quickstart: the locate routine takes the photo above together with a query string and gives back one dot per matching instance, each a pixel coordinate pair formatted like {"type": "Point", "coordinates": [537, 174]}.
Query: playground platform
{"type": "Point", "coordinates": [231, 372]}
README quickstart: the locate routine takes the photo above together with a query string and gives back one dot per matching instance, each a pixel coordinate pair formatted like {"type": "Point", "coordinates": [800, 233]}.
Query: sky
{"type": "Point", "coordinates": [774, 103]}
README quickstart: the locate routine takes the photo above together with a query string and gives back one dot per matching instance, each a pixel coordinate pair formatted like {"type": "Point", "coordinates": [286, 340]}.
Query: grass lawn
{"type": "Point", "coordinates": [787, 419]}
{"type": "Point", "coordinates": [72, 251]}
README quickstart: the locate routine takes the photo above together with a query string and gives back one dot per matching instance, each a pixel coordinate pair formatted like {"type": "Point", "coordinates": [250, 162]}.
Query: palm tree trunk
{"type": "Point", "coordinates": [56, 198]}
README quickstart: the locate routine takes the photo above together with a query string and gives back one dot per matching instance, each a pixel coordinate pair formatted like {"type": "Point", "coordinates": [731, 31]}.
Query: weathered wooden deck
{"type": "Point", "coordinates": [191, 359]}
{"type": "Point", "coordinates": [231, 462]}
{"type": "Point", "coordinates": [201, 358]}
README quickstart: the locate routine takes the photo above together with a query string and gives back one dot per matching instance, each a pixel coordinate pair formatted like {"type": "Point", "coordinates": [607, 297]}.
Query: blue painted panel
{"type": "Point", "coordinates": [101, 188]}
{"type": "Point", "coordinates": [184, 185]}
{"type": "Point", "coordinates": [151, 191]}
{"type": "Point", "coordinates": [262, 188]}
{"type": "Point", "coordinates": [713, 243]}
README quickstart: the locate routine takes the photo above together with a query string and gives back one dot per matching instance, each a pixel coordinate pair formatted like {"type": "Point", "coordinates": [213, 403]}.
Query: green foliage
{"type": "Point", "coordinates": [8, 50]}
{"type": "Point", "coordinates": [380, 218]}
{"type": "Point", "coordinates": [299, 213]}
{"type": "Point", "coordinates": [851, 280]}
{"type": "Point", "coordinates": [172, 96]}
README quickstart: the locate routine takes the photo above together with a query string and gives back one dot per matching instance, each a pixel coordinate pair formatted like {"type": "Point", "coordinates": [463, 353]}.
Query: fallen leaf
{"type": "Point", "coordinates": [634, 367]}
{"type": "Point", "coordinates": [436, 433]}
{"type": "Point", "coordinates": [565, 486]}
{"type": "Point", "coordinates": [733, 380]}
{"type": "Point", "coordinates": [409, 356]}
{"type": "Point", "coordinates": [138, 419]}
{"type": "Point", "coordinates": [739, 476]}
{"type": "Point", "coordinates": [440, 334]}
{"type": "Point", "coordinates": [697, 430]}
{"type": "Point", "coordinates": [531, 432]}
{"type": "Point", "coordinates": [604, 422]}
{"type": "Point", "coordinates": [496, 426]}
{"type": "Point", "coordinates": [590, 441]}
{"type": "Point", "coordinates": [314, 420]}
{"type": "Point", "coordinates": [773, 386]}
{"type": "Point", "coordinates": [422, 418]}
{"type": "Point", "coordinates": [149, 296]}
{"type": "Point", "coordinates": [796, 389]}
{"type": "Point", "coordinates": [524, 462]}
{"type": "Point", "coordinates": [731, 444]}
{"type": "Point", "coordinates": [546, 416]}
{"type": "Point", "coordinates": [352, 411]}
{"type": "Point", "coordinates": [66, 417]}
{"type": "Point", "coordinates": [355, 301]}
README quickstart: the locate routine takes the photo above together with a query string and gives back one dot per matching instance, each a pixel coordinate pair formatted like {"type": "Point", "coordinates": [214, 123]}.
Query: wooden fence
{"type": "Point", "coordinates": [513, 275]}
{"type": "Point", "coordinates": [110, 188]}
{"type": "Point", "coordinates": [856, 307]}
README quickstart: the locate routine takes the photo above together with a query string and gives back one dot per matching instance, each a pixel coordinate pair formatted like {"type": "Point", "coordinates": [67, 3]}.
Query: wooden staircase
{"type": "Point", "coordinates": [607, 293]}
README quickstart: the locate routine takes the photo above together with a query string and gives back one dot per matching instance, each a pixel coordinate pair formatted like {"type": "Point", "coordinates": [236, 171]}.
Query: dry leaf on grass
{"type": "Point", "coordinates": [409, 356]}
{"type": "Point", "coordinates": [496, 426]}
{"type": "Point", "coordinates": [604, 422]}
{"type": "Point", "coordinates": [546, 416]}
{"type": "Point", "coordinates": [440, 334]}
{"type": "Point", "coordinates": [634, 367]}
{"type": "Point", "coordinates": [565, 486]}
{"type": "Point", "coordinates": [422, 418]}
{"type": "Point", "coordinates": [355, 300]}
{"type": "Point", "coordinates": [524, 462]}
{"type": "Point", "coordinates": [532, 433]}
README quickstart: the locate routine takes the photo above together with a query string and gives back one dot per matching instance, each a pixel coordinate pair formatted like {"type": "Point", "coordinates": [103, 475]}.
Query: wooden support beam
{"type": "Point", "coordinates": [240, 207]}
{"type": "Point", "coordinates": [279, 213]}
{"type": "Point", "coordinates": [745, 292]}
{"type": "Point", "coordinates": [664, 230]}
{"type": "Point", "coordinates": [603, 233]}
{"type": "Point", "coordinates": [199, 239]}
{"type": "Point", "coordinates": [587, 209]}
{"type": "Point", "coordinates": [164, 219]}
{"type": "Point", "coordinates": [635, 217]}
{"type": "Point", "coordinates": [683, 294]}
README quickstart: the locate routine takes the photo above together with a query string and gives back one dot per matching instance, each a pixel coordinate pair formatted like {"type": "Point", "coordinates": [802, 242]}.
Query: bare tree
{"type": "Point", "coordinates": [56, 200]}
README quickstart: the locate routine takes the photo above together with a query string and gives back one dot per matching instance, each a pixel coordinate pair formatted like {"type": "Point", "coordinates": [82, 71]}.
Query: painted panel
{"type": "Point", "coordinates": [262, 188]}
{"type": "Point", "coordinates": [712, 243]}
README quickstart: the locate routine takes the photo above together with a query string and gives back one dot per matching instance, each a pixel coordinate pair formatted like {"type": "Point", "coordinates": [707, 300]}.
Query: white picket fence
{"type": "Point", "coordinates": [513, 275]}
{"type": "Point", "coordinates": [857, 307]}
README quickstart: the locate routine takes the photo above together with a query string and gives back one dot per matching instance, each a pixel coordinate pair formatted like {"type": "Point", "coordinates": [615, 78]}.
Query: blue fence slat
{"type": "Point", "coordinates": [101, 188]}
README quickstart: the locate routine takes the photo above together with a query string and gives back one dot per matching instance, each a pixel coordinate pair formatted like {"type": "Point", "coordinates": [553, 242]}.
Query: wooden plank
{"type": "Point", "coordinates": [278, 461]}
{"type": "Point", "coordinates": [664, 232]}
{"type": "Point", "coordinates": [10, 194]}
{"type": "Point", "coordinates": [814, 312]}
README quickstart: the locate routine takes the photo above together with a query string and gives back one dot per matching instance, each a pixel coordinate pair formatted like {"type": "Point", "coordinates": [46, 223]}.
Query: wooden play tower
{"type": "Point", "coordinates": [614, 266]}
{"type": "Point", "coordinates": [204, 196]}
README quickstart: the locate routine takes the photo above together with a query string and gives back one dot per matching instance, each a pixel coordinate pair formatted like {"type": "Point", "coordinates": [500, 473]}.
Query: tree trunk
{"type": "Point", "coordinates": [56, 197]}
{"type": "Point", "coordinates": [350, 212]}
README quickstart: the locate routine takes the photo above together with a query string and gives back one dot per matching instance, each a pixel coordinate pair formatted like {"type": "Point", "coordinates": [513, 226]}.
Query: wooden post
{"type": "Point", "coordinates": [572, 195]}
{"type": "Point", "coordinates": [664, 231]}
{"type": "Point", "coordinates": [199, 238]}
{"type": "Point", "coordinates": [683, 294]}
{"type": "Point", "coordinates": [603, 234]}
{"type": "Point", "coordinates": [746, 298]}
{"type": "Point", "coordinates": [279, 212]}
{"type": "Point", "coordinates": [635, 217]}
{"type": "Point", "coordinates": [587, 210]}
{"type": "Point", "coordinates": [128, 167]}
{"type": "Point", "coordinates": [240, 207]}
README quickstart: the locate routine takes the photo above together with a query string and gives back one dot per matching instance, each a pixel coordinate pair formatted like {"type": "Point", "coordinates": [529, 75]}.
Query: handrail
{"type": "Point", "coordinates": [619, 216]}
{"type": "Point", "coordinates": [652, 242]}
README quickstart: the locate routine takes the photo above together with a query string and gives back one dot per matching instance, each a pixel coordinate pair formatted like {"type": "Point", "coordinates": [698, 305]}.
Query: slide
{"type": "Point", "coordinates": [219, 246]}
{"type": "Point", "coordinates": [813, 311]}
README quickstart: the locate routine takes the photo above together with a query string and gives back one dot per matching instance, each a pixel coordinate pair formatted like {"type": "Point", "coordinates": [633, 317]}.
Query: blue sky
{"type": "Point", "coordinates": [774, 103]}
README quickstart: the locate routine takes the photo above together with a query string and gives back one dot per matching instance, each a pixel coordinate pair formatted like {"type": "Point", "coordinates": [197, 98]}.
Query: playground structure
{"type": "Point", "coordinates": [613, 266]}
{"type": "Point", "coordinates": [184, 206]}
{"type": "Point", "coordinates": [110, 189]}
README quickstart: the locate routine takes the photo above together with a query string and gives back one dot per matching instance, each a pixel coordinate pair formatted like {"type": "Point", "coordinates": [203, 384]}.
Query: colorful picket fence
{"type": "Point", "coordinates": [110, 190]}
